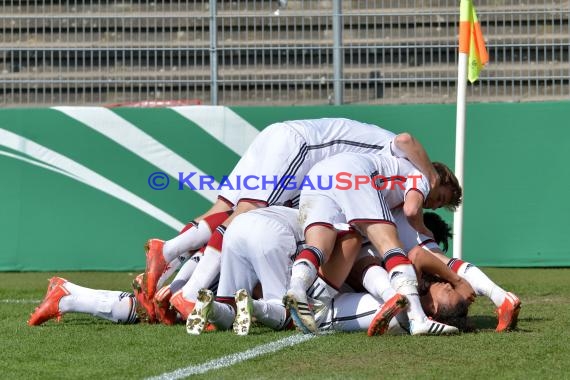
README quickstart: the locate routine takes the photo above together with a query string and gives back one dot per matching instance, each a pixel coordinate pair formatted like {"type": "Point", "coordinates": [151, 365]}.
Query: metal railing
{"type": "Point", "coordinates": [257, 52]}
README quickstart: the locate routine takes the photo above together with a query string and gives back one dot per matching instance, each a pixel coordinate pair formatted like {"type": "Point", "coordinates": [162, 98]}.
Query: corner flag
{"type": "Point", "coordinates": [471, 40]}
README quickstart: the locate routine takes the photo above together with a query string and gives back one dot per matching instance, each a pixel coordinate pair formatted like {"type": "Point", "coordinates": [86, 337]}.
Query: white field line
{"type": "Point", "coordinates": [20, 301]}
{"type": "Point", "coordinates": [228, 361]}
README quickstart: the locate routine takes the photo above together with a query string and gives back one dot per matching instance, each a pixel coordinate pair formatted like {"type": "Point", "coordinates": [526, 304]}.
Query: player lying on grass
{"type": "Point", "coordinates": [507, 304]}
{"type": "Point", "coordinates": [284, 153]}
{"type": "Point", "coordinates": [391, 183]}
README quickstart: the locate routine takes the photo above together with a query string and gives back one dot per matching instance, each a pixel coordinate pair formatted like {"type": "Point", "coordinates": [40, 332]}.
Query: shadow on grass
{"type": "Point", "coordinates": [480, 323]}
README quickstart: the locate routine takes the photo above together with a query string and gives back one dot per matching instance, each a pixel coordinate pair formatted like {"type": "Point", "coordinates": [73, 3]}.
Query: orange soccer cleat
{"type": "Point", "coordinates": [389, 310]}
{"type": "Point", "coordinates": [508, 313]}
{"type": "Point", "coordinates": [144, 306]}
{"type": "Point", "coordinates": [155, 266]}
{"type": "Point", "coordinates": [49, 308]}
{"type": "Point", "coordinates": [181, 304]}
{"type": "Point", "coordinates": [165, 313]}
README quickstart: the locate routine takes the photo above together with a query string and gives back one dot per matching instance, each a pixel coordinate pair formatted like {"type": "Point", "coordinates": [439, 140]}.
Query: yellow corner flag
{"type": "Point", "coordinates": [471, 40]}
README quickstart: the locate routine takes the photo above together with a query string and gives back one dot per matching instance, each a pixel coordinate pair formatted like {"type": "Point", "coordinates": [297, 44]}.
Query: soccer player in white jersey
{"type": "Point", "coordinates": [260, 246]}
{"type": "Point", "coordinates": [279, 157]}
{"type": "Point", "coordinates": [364, 189]}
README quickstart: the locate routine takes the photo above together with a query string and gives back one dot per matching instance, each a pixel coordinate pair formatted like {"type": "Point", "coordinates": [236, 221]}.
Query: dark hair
{"type": "Point", "coordinates": [440, 229]}
{"type": "Point", "coordinates": [447, 178]}
{"type": "Point", "coordinates": [454, 316]}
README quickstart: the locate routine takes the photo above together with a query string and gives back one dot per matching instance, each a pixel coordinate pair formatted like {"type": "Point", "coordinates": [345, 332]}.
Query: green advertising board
{"type": "Point", "coordinates": [77, 183]}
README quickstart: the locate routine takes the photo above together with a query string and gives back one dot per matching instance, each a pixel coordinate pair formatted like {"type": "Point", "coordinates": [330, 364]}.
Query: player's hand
{"type": "Point", "coordinates": [465, 290]}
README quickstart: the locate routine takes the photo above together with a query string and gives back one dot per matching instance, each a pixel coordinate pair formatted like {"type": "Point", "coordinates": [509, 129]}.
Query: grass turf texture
{"type": "Point", "coordinates": [81, 346]}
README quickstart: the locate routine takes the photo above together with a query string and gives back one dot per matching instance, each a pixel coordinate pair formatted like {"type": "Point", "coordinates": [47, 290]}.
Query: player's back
{"type": "Point", "coordinates": [328, 136]}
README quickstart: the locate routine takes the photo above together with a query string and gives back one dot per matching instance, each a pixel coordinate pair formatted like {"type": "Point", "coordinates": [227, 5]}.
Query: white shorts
{"type": "Point", "coordinates": [257, 248]}
{"type": "Point", "coordinates": [278, 152]}
{"type": "Point", "coordinates": [334, 205]}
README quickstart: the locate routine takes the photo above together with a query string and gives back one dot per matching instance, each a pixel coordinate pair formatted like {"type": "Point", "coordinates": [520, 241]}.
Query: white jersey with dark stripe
{"type": "Point", "coordinates": [329, 136]}
{"type": "Point", "coordinates": [347, 201]}
{"type": "Point", "coordinates": [286, 152]}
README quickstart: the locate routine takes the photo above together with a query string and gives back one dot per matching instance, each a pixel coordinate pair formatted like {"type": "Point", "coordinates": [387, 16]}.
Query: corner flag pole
{"type": "Point", "coordinates": [472, 57]}
{"type": "Point", "coordinates": [460, 152]}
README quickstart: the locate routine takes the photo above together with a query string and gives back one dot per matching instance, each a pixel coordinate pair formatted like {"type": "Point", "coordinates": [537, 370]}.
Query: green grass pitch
{"type": "Point", "coordinates": [82, 347]}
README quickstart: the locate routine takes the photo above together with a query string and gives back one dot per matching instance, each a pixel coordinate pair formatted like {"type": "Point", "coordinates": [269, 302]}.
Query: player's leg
{"type": "Point", "coordinates": [160, 254]}
{"type": "Point", "coordinates": [357, 312]}
{"type": "Point", "coordinates": [209, 266]}
{"type": "Point", "coordinates": [65, 297]}
{"type": "Point", "coordinates": [271, 261]}
{"type": "Point", "coordinates": [320, 240]}
{"type": "Point", "coordinates": [507, 304]}
{"type": "Point", "coordinates": [244, 238]}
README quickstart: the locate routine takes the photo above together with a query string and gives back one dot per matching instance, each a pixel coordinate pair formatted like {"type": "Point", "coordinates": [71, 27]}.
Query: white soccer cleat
{"type": "Point", "coordinates": [298, 306]}
{"type": "Point", "coordinates": [430, 327]}
{"type": "Point", "coordinates": [199, 317]}
{"type": "Point", "coordinates": [244, 311]}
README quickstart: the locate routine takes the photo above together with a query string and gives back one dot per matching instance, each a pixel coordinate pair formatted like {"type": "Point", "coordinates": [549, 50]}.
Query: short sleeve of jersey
{"type": "Point", "coordinates": [416, 181]}
{"type": "Point", "coordinates": [396, 152]}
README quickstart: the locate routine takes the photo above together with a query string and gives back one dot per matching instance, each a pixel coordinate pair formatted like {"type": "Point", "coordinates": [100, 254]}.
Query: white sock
{"type": "Point", "coordinates": [185, 272]}
{"type": "Point", "coordinates": [222, 315]}
{"type": "Point", "coordinates": [204, 274]}
{"type": "Point", "coordinates": [377, 283]}
{"type": "Point", "coordinates": [190, 240]}
{"type": "Point", "coordinates": [404, 281]}
{"type": "Point", "coordinates": [303, 274]}
{"type": "Point", "coordinates": [482, 284]}
{"type": "Point", "coordinates": [271, 313]}
{"type": "Point", "coordinates": [171, 268]}
{"type": "Point", "coordinates": [111, 305]}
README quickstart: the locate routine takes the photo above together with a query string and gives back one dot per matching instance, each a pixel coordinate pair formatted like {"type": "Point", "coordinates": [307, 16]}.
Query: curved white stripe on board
{"type": "Point", "coordinates": [223, 124]}
{"type": "Point", "coordinates": [140, 143]}
{"type": "Point", "coordinates": [65, 166]}
{"type": "Point", "coordinates": [37, 163]}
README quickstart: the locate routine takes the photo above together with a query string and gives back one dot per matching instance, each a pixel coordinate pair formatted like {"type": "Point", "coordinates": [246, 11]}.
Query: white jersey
{"type": "Point", "coordinates": [358, 188]}
{"type": "Point", "coordinates": [277, 161]}
{"type": "Point", "coordinates": [329, 136]}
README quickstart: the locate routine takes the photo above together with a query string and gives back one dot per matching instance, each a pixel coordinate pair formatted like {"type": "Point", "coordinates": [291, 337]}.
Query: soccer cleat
{"type": "Point", "coordinates": [49, 308]}
{"type": "Point", "coordinates": [389, 310]}
{"type": "Point", "coordinates": [155, 266]}
{"type": "Point", "coordinates": [430, 327]}
{"type": "Point", "coordinates": [164, 312]}
{"type": "Point", "coordinates": [244, 311]}
{"type": "Point", "coordinates": [144, 306]}
{"type": "Point", "coordinates": [181, 304]}
{"type": "Point", "coordinates": [508, 313]}
{"type": "Point", "coordinates": [303, 317]}
{"type": "Point", "coordinates": [198, 319]}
